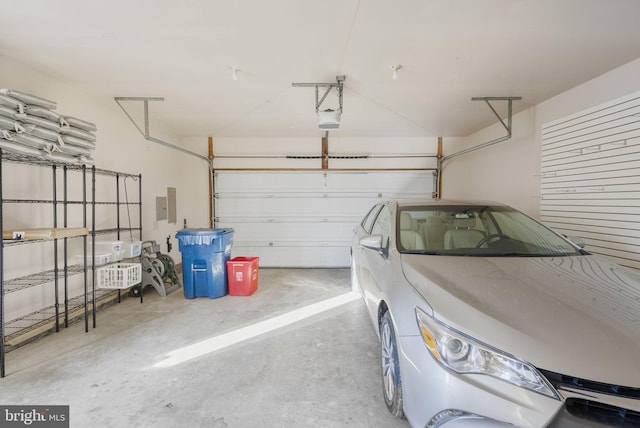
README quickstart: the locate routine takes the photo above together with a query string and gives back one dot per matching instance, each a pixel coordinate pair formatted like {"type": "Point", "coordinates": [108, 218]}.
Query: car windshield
{"type": "Point", "coordinates": [485, 231]}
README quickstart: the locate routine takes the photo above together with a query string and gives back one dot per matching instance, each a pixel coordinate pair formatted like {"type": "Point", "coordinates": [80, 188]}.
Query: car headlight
{"type": "Point", "coordinates": [465, 355]}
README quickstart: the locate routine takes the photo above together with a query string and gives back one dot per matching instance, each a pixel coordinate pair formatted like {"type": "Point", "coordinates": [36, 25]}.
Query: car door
{"type": "Point", "coordinates": [373, 263]}
{"type": "Point", "coordinates": [361, 230]}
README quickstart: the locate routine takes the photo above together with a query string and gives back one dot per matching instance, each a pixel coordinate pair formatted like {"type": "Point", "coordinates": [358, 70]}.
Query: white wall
{"type": "Point", "coordinates": [509, 172]}
{"type": "Point", "coordinates": [119, 147]}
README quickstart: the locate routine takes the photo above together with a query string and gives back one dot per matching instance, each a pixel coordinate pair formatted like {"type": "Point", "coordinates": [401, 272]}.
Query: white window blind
{"type": "Point", "coordinates": [590, 184]}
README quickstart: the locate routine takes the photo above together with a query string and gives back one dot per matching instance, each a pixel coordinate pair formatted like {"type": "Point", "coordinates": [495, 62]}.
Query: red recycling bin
{"type": "Point", "coordinates": [242, 274]}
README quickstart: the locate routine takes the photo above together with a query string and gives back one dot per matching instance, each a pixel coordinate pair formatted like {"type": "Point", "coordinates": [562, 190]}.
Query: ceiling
{"type": "Point", "coordinates": [450, 51]}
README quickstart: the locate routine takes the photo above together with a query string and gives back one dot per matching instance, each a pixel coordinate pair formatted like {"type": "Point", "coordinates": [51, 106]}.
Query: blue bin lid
{"type": "Point", "coordinates": [201, 236]}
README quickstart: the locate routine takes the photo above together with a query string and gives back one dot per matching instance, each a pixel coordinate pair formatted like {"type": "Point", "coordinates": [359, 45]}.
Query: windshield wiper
{"type": "Point", "coordinates": [526, 255]}
{"type": "Point", "coordinates": [513, 255]}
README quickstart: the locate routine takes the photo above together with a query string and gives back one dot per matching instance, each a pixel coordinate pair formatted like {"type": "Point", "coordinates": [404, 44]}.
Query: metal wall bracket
{"type": "Point", "coordinates": [146, 133]}
{"type": "Point", "coordinates": [506, 126]}
{"type": "Point", "coordinates": [437, 194]}
{"type": "Point", "coordinates": [339, 85]}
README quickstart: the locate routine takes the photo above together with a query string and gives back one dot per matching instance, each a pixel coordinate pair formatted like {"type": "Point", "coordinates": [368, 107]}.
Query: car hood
{"type": "Point", "coordinates": [579, 316]}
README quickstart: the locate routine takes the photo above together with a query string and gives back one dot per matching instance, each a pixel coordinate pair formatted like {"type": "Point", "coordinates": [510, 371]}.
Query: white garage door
{"type": "Point", "coordinates": [305, 218]}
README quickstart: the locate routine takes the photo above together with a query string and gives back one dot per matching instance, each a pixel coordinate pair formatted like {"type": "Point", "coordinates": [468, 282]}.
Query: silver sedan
{"type": "Point", "coordinates": [488, 318]}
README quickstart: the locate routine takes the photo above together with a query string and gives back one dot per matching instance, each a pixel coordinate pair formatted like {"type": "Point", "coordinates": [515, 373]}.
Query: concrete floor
{"type": "Point", "coordinates": [321, 371]}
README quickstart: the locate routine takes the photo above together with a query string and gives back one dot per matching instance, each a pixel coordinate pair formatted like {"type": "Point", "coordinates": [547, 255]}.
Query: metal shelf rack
{"type": "Point", "coordinates": [53, 316]}
{"type": "Point", "coordinates": [120, 178]}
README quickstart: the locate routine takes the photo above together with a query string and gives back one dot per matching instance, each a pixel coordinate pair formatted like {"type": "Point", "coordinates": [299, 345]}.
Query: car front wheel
{"type": "Point", "coordinates": [391, 381]}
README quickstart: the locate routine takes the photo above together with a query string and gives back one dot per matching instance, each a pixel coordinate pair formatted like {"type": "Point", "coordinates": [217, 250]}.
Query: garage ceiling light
{"type": "Point", "coordinates": [394, 74]}
{"type": "Point", "coordinates": [234, 73]}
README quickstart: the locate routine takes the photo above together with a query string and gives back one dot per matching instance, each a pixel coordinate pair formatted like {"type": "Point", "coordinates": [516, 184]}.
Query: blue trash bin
{"type": "Point", "coordinates": [205, 253]}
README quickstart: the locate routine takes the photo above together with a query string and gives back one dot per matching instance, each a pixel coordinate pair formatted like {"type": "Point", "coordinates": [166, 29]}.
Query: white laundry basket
{"type": "Point", "coordinates": [120, 275]}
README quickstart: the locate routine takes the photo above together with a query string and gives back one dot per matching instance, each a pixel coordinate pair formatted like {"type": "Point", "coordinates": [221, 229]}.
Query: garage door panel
{"type": "Point", "coordinates": [308, 206]}
{"type": "Point", "coordinates": [300, 232]}
{"type": "Point", "coordinates": [342, 181]}
{"type": "Point", "coordinates": [288, 256]}
{"type": "Point", "coordinates": [252, 181]}
{"type": "Point", "coordinates": [380, 182]}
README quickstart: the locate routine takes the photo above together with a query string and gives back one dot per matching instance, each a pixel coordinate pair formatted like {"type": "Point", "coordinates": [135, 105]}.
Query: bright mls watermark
{"type": "Point", "coordinates": [34, 416]}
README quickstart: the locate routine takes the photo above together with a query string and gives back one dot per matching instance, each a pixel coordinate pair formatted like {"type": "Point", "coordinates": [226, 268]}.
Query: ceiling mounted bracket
{"type": "Point", "coordinates": [146, 133]}
{"type": "Point", "coordinates": [507, 126]}
{"type": "Point", "coordinates": [338, 84]}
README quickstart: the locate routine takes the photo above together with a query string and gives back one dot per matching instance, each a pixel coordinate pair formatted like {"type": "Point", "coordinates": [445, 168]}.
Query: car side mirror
{"type": "Point", "coordinates": [372, 242]}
